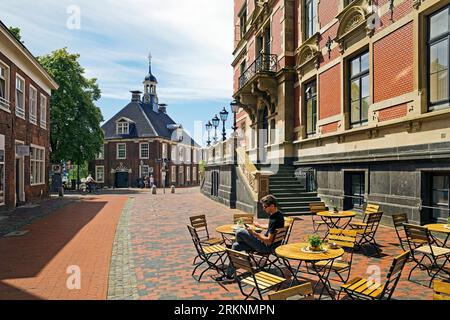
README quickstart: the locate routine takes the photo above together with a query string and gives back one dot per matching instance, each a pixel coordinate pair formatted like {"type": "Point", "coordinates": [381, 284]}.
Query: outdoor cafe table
{"type": "Point", "coordinates": [440, 228]}
{"type": "Point", "coordinates": [333, 219]}
{"type": "Point", "coordinates": [230, 230]}
{"type": "Point", "coordinates": [298, 252]}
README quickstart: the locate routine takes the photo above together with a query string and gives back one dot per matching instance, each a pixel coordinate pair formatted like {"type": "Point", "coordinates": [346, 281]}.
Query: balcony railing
{"type": "Point", "coordinates": [264, 63]}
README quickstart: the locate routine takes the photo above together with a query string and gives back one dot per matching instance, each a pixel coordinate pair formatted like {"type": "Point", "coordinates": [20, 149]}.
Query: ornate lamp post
{"type": "Point", "coordinates": [215, 122]}
{"type": "Point", "coordinates": [209, 128]}
{"type": "Point", "coordinates": [224, 116]}
{"type": "Point", "coordinates": [235, 106]}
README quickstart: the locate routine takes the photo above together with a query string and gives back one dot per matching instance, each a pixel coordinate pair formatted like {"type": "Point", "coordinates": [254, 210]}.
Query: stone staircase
{"type": "Point", "coordinates": [292, 197]}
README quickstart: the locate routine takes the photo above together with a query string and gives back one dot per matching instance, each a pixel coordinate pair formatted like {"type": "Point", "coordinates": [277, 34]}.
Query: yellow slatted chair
{"type": "Point", "coordinates": [210, 256]}
{"type": "Point", "coordinates": [246, 218]}
{"type": "Point", "coordinates": [370, 208]}
{"type": "Point", "coordinates": [346, 239]}
{"type": "Point", "coordinates": [314, 208]}
{"type": "Point", "coordinates": [247, 275]}
{"type": "Point", "coordinates": [367, 233]}
{"type": "Point", "coordinates": [201, 226]}
{"type": "Point", "coordinates": [441, 290]}
{"type": "Point", "coordinates": [367, 289]}
{"type": "Point", "coordinates": [301, 292]}
{"type": "Point", "coordinates": [437, 256]}
{"type": "Point", "coordinates": [289, 223]}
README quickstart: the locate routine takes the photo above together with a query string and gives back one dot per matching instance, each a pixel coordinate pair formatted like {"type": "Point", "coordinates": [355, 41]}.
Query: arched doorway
{"type": "Point", "coordinates": [122, 177]}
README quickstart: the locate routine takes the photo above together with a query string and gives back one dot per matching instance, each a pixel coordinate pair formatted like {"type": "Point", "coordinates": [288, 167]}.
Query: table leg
{"type": "Point", "coordinates": [323, 274]}
{"type": "Point", "coordinates": [291, 270]}
{"type": "Point", "coordinates": [347, 224]}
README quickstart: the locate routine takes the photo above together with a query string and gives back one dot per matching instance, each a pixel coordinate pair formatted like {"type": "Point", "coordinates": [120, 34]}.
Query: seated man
{"type": "Point", "coordinates": [90, 182]}
{"type": "Point", "coordinates": [249, 240]}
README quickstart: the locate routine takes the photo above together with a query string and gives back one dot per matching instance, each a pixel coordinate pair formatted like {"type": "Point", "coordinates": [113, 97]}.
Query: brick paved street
{"type": "Point", "coordinates": [149, 256]}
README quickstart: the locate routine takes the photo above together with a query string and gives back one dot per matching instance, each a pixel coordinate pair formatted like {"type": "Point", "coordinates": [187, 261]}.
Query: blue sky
{"type": "Point", "coordinates": [191, 43]}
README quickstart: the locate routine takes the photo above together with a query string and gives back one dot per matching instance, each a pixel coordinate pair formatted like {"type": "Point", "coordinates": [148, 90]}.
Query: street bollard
{"type": "Point", "coordinates": [172, 188]}
{"type": "Point", "coordinates": [154, 190]}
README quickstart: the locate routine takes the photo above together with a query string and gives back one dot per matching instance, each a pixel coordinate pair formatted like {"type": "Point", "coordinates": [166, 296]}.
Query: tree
{"type": "Point", "coordinates": [16, 33]}
{"type": "Point", "coordinates": [76, 134]}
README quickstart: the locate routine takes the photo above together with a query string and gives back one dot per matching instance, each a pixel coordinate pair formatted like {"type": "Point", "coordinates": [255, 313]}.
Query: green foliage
{"type": "Point", "coordinates": [76, 134]}
{"type": "Point", "coordinates": [315, 241]}
{"type": "Point", "coordinates": [16, 32]}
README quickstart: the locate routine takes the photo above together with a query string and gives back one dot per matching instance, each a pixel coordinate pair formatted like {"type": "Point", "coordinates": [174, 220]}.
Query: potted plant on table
{"type": "Point", "coordinates": [315, 243]}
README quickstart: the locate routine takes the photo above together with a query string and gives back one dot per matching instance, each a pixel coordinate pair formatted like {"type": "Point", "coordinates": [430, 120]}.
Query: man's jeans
{"type": "Point", "coordinates": [247, 242]}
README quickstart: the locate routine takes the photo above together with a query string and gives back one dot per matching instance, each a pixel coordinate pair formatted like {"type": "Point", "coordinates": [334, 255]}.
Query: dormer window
{"type": "Point", "coordinates": [123, 126]}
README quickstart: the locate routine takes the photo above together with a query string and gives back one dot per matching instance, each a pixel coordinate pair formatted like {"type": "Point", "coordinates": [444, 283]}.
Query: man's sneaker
{"type": "Point", "coordinates": [224, 279]}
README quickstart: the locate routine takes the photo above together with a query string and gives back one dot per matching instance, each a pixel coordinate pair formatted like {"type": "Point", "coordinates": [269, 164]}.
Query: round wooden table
{"type": "Point", "coordinates": [440, 228]}
{"type": "Point", "coordinates": [296, 252]}
{"type": "Point", "coordinates": [230, 230]}
{"type": "Point", "coordinates": [333, 219]}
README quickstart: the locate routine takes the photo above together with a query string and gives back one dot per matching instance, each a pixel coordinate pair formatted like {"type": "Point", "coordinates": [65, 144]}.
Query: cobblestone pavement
{"type": "Point", "coordinates": [162, 250]}
{"type": "Point", "coordinates": [70, 244]}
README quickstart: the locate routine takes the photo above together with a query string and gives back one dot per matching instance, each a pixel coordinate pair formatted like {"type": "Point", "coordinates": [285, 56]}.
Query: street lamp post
{"type": "Point", "coordinates": [224, 117]}
{"type": "Point", "coordinates": [209, 128]}
{"type": "Point", "coordinates": [235, 106]}
{"type": "Point", "coordinates": [215, 122]}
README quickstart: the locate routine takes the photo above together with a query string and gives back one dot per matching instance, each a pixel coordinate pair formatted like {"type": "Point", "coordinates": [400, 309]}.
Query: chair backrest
{"type": "Point", "coordinates": [441, 290]}
{"type": "Point", "coordinates": [400, 219]}
{"type": "Point", "coordinates": [302, 292]}
{"type": "Point", "coordinates": [315, 207]}
{"type": "Point", "coordinates": [200, 224]}
{"type": "Point", "coordinates": [373, 221]}
{"type": "Point", "coordinates": [416, 234]}
{"type": "Point", "coordinates": [371, 208]}
{"type": "Point", "coordinates": [279, 237]}
{"type": "Point", "coordinates": [343, 238]}
{"type": "Point", "coordinates": [247, 218]}
{"type": "Point", "coordinates": [394, 275]}
{"type": "Point", "coordinates": [240, 261]}
{"type": "Point", "coordinates": [289, 223]}
{"type": "Point", "coordinates": [196, 240]}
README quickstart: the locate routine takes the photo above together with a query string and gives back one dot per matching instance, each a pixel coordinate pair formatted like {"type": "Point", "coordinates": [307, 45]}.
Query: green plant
{"type": "Point", "coordinates": [315, 241]}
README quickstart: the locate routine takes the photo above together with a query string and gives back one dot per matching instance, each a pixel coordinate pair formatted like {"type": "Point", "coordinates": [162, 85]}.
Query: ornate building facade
{"type": "Point", "coordinates": [353, 94]}
{"type": "Point", "coordinates": [142, 140]}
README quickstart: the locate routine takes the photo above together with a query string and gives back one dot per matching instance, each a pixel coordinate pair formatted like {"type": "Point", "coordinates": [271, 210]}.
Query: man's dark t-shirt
{"type": "Point", "coordinates": [276, 221]}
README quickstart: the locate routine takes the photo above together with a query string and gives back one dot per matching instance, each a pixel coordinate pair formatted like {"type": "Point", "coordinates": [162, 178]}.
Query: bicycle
{"type": "Point", "coordinates": [84, 189]}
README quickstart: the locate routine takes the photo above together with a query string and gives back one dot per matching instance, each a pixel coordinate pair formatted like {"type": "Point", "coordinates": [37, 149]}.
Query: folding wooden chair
{"type": "Point", "coordinates": [368, 289]}
{"type": "Point", "coordinates": [441, 290]}
{"type": "Point", "coordinates": [314, 208]}
{"type": "Point", "coordinates": [301, 292]}
{"type": "Point", "coordinates": [246, 218]}
{"type": "Point", "coordinates": [368, 231]}
{"type": "Point", "coordinates": [370, 208]}
{"type": "Point", "coordinates": [400, 219]}
{"type": "Point", "coordinates": [201, 226]}
{"type": "Point", "coordinates": [437, 256]}
{"type": "Point", "coordinates": [247, 275]}
{"type": "Point", "coordinates": [209, 255]}
{"type": "Point", "coordinates": [346, 239]}
{"type": "Point", "coordinates": [289, 223]}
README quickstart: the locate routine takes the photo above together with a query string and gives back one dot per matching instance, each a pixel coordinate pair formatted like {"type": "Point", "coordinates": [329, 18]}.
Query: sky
{"type": "Point", "coordinates": [191, 43]}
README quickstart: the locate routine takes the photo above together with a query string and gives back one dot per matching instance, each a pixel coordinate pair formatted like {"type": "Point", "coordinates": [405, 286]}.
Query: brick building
{"type": "Point", "coordinates": [352, 94]}
{"type": "Point", "coordinates": [142, 140]}
{"type": "Point", "coordinates": [25, 90]}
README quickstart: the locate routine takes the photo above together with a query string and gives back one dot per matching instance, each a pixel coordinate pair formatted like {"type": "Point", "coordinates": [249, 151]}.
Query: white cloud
{"type": "Point", "coordinates": [191, 42]}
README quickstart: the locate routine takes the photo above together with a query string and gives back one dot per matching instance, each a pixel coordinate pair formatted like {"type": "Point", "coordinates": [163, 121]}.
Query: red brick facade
{"type": "Point", "coordinates": [393, 113]}
{"type": "Point", "coordinates": [329, 92]}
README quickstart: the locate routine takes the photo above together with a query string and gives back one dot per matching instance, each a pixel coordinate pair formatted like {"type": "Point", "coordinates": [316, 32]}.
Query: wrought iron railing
{"type": "Point", "coordinates": [263, 63]}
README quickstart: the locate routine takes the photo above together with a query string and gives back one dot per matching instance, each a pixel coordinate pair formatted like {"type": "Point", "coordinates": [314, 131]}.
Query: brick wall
{"type": "Point", "coordinates": [393, 64]}
{"type": "Point", "coordinates": [330, 128]}
{"type": "Point", "coordinates": [277, 32]}
{"type": "Point", "coordinates": [330, 92]}
{"type": "Point", "coordinates": [393, 113]}
{"type": "Point", "coordinates": [328, 10]}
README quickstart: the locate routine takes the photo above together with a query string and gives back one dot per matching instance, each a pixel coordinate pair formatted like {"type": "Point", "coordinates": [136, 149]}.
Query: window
{"type": "Point", "coordinates": [188, 174]}
{"type": "Point", "coordinates": [359, 89]}
{"type": "Point", "coordinates": [101, 154]}
{"type": "Point", "coordinates": [355, 189]}
{"type": "Point", "coordinates": [310, 18]}
{"type": "Point", "coordinates": [144, 150]}
{"type": "Point", "coordinates": [439, 52]}
{"type": "Point", "coordinates": [20, 97]}
{"type": "Point", "coordinates": [174, 154]}
{"type": "Point", "coordinates": [4, 90]}
{"type": "Point", "coordinates": [123, 127]}
{"type": "Point", "coordinates": [181, 175]}
{"type": "Point", "coordinates": [181, 154]}
{"type": "Point", "coordinates": [145, 171]}
{"type": "Point", "coordinates": [243, 21]}
{"type": "Point", "coordinates": [43, 110]}
{"type": "Point", "coordinates": [311, 108]}
{"type": "Point", "coordinates": [37, 163]}
{"type": "Point", "coordinates": [194, 174]}
{"type": "Point", "coordinates": [188, 155]}
{"type": "Point", "coordinates": [2, 169]}
{"type": "Point", "coordinates": [440, 189]}
{"type": "Point", "coordinates": [195, 156]}
{"type": "Point", "coordinates": [121, 151]}
{"type": "Point", "coordinates": [33, 105]}
{"type": "Point", "coordinates": [173, 174]}
{"type": "Point", "coordinates": [164, 151]}
{"type": "Point", "coordinates": [100, 174]}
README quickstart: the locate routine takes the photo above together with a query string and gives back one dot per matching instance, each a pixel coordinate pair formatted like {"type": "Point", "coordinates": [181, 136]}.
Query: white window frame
{"type": "Point", "coordinates": [41, 162]}
{"type": "Point", "coordinates": [181, 154]}
{"type": "Point", "coordinates": [174, 174]}
{"type": "Point", "coordinates": [194, 174]}
{"type": "Point", "coordinates": [4, 102]}
{"type": "Point", "coordinates": [173, 154]}
{"type": "Point", "coordinates": [164, 151]}
{"type": "Point", "coordinates": [117, 151]}
{"type": "Point", "coordinates": [32, 104]}
{"type": "Point", "coordinates": [141, 171]}
{"type": "Point", "coordinates": [2, 173]}
{"type": "Point", "coordinates": [195, 156]}
{"type": "Point", "coordinates": [188, 174]}
{"type": "Point", "coordinates": [188, 155]}
{"type": "Point", "coordinates": [123, 127]}
{"type": "Point", "coordinates": [96, 174]}
{"type": "Point", "coordinates": [101, 154]}
{"type": "Point", "coordinates": [20, 110]}
{"type": "Point", "coordinates": [43, 111]}
{"type": "Point", "coordinates": [140, 150]}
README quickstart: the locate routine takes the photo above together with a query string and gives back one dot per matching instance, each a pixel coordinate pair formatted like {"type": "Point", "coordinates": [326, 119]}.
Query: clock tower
{"type": "Point", "coordinates": [150, 82]}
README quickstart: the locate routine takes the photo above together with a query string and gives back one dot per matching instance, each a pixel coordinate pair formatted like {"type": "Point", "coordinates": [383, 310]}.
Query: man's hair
{"type": "Point", "coordinates": [269, 200]}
